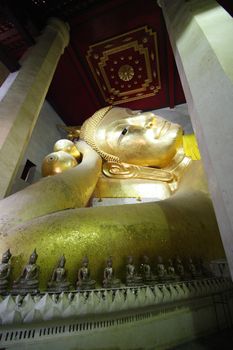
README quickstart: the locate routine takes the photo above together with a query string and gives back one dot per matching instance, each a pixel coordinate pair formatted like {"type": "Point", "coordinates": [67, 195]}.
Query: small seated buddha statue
{"type": "Point", "coordinates": [180, 268]}
{"type": "Point", "coordinates": [161, 270]}
{"type": "Point", "coordinates": [171, 273]}
{"type": "Point", "coordinates": [204, 268]}
{"type": "Point", "coordinates": [109, 280]}
{"type": "Point", "coordinates": [5, 268]}
{"type": "Point", "coordinates": [194, 273]}
{"type": "Point", "coordinates": [28, 280]}
{"type": "Point", "coordinates": [84, 281]}
{"type": "Point", "coordinates": [132, 278]}
{"type": "Point", "coordinates": [147, 276]}
{"type": "Point", "coordinates": [58, 282]}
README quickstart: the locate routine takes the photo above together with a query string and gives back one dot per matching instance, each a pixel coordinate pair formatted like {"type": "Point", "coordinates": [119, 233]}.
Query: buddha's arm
{"type": "Point", "coordinates": [71, 189]}
{"type": "Point", "coordinates": [54, 275]}
{"type": "Point", "coordinates": [80, 275]}
{"type": "Point", "coordinates": [65, 276]}
{"type": "Point", "coordinates": [36, 275]}
{"type": "Point", "coordinates": [8, 271]}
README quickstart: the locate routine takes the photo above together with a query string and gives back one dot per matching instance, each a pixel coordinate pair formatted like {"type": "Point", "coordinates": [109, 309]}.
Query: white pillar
{"type": "Point", "coordinates": [21, 105]}
{"type": "Point", "coordinates": [201, 34]}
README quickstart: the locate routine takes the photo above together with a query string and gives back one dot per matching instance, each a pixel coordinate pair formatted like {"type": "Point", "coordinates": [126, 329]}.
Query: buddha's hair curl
{"type": "Point", "coordinates": [88, 131]}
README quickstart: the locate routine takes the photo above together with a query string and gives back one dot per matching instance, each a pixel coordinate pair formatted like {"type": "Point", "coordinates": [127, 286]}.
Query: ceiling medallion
{"type": "Point", "coordinates": [126, 72]}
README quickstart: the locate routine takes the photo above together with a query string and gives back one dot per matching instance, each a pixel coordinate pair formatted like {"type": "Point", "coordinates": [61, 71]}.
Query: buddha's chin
{"type": "Point", "coordinates": [166, 161]}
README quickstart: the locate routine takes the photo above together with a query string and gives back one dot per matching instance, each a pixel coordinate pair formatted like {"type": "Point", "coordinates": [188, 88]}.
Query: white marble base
{"type": "Point", "coordinates": [152, 318]}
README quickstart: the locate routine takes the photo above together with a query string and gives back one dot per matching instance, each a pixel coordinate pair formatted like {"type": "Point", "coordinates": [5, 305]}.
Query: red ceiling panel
{"type": "Point", "coordinates": [75, 92]}
{"type": "Point", "coordinates": [121, 54]}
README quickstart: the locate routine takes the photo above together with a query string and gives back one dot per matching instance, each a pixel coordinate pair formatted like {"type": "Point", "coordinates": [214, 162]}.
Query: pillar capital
{"type": "Point", "coordinates": [62, 28]}
{"type": "Point", "coordinates": [159, 3]}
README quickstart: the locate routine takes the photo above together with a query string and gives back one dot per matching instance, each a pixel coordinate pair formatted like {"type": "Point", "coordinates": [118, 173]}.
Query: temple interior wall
{"type": "Point", "coordinates": [44, 135]}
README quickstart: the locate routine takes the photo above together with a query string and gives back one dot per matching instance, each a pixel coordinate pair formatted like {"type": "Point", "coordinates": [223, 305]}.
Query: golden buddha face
{"type": "Point", "coordinates": [142, 139]}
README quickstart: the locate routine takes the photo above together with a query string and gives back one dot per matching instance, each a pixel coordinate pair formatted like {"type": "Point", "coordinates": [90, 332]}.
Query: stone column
{"type": "Point", "coordinates": [201, 34]}
{"type": "Point", "coordinates": [20, 107]}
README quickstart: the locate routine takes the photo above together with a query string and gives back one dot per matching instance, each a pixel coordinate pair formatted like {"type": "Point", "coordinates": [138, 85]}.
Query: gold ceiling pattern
{"type": "Point", "coordinates": [126, 67]}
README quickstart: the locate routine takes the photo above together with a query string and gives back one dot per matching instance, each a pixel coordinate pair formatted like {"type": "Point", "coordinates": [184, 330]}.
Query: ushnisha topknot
{"type": "Point", "coordinates": [62, 259]}
{"type": "Point", "coordinates": [34, 254]}
{"type": "Point", "coordinates": [88, 131]}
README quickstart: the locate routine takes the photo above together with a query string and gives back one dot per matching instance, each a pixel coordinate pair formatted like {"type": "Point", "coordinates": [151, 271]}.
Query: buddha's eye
{"type": "Point", "coordinates": [151, 123]}
{"type": "Point", "coordinates": [124, 131]}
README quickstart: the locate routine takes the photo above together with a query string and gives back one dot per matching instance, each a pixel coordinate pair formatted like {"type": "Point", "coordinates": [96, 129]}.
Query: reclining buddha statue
{"type": "Point", "coordinates": [124, 154]}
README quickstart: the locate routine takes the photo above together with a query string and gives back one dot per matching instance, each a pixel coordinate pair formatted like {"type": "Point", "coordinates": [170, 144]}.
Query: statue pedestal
{"type": "Point", "coordinates": [25, 290]}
